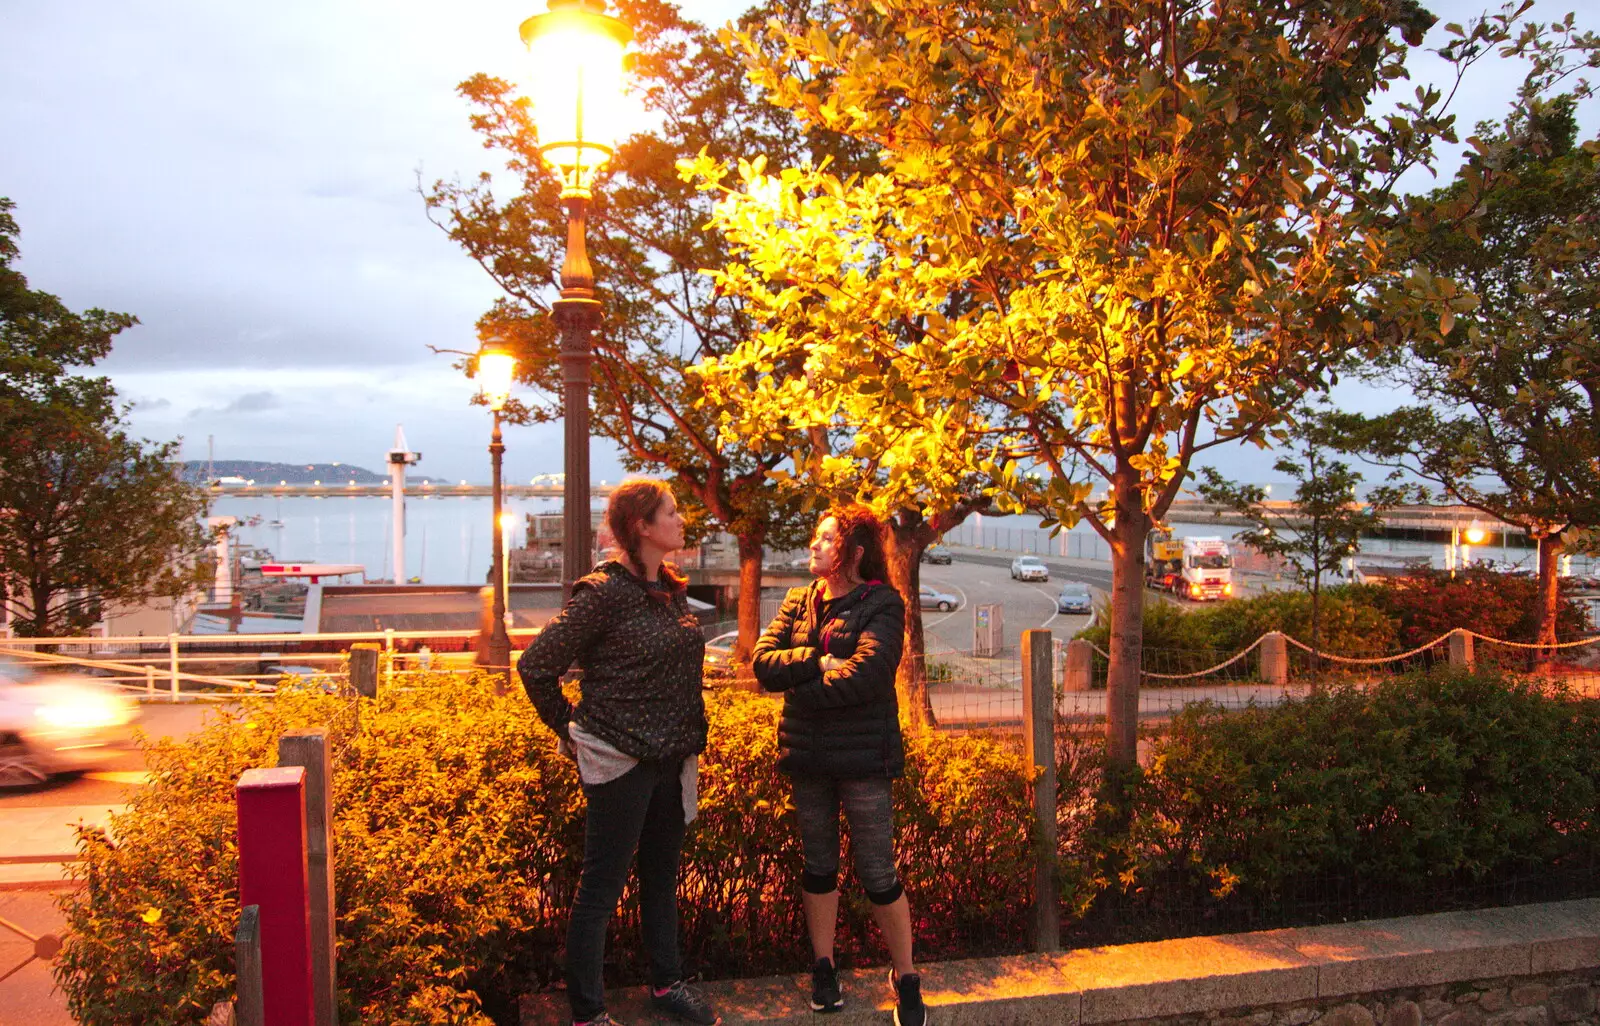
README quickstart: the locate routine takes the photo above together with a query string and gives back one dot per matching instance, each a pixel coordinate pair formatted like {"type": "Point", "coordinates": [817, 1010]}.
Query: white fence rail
{"type": "Point", "coordinates": [183, 667]}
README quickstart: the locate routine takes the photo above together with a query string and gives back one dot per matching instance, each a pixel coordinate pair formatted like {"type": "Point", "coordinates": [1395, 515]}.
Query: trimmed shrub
{"type": "Point", "coordinates": [1505, 606]}
{"type": "Point", "coordinates": [1185, 639]}
{"type": "Point", "coordinates": [1414, 794]}
{"type": "Point", "coordinates": [458, 832]}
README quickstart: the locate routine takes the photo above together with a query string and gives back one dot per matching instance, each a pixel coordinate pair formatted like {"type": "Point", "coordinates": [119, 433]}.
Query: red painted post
{"type": "Point", "coordinates": [273, 875]}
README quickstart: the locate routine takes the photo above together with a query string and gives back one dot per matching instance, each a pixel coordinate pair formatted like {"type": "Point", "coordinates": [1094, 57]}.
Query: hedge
{"type": "Point", "coordinates": [1354, 620]}
{"type": "Point", "coordinates": [458, 838]}
{"type": "Point", "coordinates": [458, 833]}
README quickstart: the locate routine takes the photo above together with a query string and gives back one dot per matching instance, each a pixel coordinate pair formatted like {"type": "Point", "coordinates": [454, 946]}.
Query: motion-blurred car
{"type": "Point", "coordinates": [932, 598]}
{"type": "Point", "coordinates": [54, 723]}
{"type": "Point", "coordinates": [936, 554]}
{"type": "Point", "coordinates": [1075, 597]}
{"type": "Point", "coordinates": [1029, 568]}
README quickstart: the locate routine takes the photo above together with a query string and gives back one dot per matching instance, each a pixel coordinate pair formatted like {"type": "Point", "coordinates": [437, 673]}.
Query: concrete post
{"type": "Point", "coordinates": [309, 749]}
{"type": "Point", "coordinates": [1078, 674]}
{"type": "Point", "coordinates": [1039, 739]}
{"type": "Point", "coordinates": [248, 1010]}
{"type": "Point", "coordinates": [1275, 659]}
{"type": "Point", "coordinates": [1461, 654]}
{"type": "Point", "coordinates": [364, 669]}
{"type": "Point", "coordinates": [272, 874]}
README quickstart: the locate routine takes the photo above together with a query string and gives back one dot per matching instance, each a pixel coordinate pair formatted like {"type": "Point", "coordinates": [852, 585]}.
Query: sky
{"type": "Point", "coordinates": [244, 180]}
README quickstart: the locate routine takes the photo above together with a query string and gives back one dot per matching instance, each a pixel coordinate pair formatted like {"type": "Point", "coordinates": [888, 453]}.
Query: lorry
{"type": "Point", "coordinates": [1200, 569]}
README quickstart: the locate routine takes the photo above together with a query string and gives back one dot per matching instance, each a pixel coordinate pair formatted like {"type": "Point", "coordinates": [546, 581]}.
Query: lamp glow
{"type": "Point", "coordinates": [1475, 534]}
{"type": "Point", "coordinates": [496, 368]}
{"type": "Point", "coordinates": [575, 84]}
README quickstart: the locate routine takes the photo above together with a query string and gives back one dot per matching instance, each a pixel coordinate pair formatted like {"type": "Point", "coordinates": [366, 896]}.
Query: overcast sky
{"type": "Point", "coordinates": [243, 179]}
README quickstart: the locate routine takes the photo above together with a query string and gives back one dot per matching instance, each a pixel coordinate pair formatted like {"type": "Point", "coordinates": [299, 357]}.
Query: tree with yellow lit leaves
{"type": "Point", "coordinates": [1105, 237]}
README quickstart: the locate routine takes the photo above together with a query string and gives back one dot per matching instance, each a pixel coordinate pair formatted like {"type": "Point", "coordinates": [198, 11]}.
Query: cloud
{"type": "Point", "coordinates": [248, 403]}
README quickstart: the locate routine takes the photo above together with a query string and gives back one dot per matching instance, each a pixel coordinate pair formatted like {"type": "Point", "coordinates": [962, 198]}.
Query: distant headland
{"type": "Point", "coordinates": [200, 471]}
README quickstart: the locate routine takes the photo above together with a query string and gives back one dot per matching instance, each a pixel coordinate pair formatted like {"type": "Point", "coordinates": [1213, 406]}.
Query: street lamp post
{"type": "Point", "coordinates": [508, 528]}
{"type": "Point", "coordinates": [496, 367]}
{"type": "Point", "coordinates": [576, 88]}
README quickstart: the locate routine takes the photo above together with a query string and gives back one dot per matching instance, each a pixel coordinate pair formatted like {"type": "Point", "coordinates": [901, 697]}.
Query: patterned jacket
{"type": "Point", "coordinates": [844, 723]}
{"type": "Point", "coordinates": [639, 652]}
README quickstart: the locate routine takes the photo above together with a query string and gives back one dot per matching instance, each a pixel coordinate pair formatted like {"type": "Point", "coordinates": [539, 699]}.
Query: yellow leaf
{"type": "Point", "coordinates": [151, 915]}
{"type": "Point", "coordinates": [1447, 320]}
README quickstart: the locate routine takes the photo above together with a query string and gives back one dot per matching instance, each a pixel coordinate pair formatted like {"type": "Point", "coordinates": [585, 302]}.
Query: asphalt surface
{"type": "Point", "coordinates": [123, 771]}
{"type": "Point", "coordinates": [981, 578]}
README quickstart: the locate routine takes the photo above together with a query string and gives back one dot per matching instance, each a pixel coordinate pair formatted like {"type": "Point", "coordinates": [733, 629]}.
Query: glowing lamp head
{"type": "Point", "coordinates": [508, 522]}
{"type": "Point", "coordinates": [1475, 534]}
{"type": "Point", "coordinates": [496, 367]}
{"type": "Point", "coordinates": [575, 83]}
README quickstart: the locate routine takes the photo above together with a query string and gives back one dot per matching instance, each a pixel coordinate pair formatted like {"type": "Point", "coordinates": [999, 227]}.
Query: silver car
{"type": "Point", "coordinates": [54, 723]}
{"type": "Point", "coordinates": [1029, 568]}
{"type": "Point", "coordinates": [932, 598]}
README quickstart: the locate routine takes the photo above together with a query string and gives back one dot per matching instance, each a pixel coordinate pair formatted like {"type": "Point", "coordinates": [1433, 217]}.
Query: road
{"type": "Point", "coordinates": [980, 578]}
{"type": "Point", "coordinates": [112, 783]}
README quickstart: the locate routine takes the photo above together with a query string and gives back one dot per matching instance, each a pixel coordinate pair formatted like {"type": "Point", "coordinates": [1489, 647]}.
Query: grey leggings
{"type": "Point", "coordinates": [817, 801]}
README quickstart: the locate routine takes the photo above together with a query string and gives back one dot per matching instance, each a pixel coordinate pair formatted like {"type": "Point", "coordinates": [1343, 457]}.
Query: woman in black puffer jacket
{"type": "Point", "coordinates": [832, 651]}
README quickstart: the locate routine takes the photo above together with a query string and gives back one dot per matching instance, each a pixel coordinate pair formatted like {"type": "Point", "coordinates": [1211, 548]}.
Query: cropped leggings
{"type": "Point", "coordinates": [817, 801]}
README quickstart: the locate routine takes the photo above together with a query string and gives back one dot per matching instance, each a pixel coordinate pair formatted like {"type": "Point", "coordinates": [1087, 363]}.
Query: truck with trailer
{"type": "Point", "coordinates": [1198, 569]}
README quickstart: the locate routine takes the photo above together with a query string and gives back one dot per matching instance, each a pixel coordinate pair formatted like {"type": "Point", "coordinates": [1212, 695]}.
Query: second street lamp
{"type": "Point", "coordinates": [576, 90]}
{"type": "Point", "coordinates": [496, 368]}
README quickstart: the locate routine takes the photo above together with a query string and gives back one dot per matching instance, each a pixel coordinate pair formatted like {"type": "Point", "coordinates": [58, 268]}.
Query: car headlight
{"type": "Point", "coordinates": [82, 714]}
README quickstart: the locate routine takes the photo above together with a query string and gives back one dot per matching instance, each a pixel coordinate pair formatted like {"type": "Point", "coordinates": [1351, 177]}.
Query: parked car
{"type": "Point", "coordinates": [936, 554]}
{"type": "Point", "coordinates": [1029, 568]}
{"type": "Point", "coordinates": [932, 598]}
{"type": "Point", "coordinates": [1075, 597]}
{"type": "Point", "coordinates": [54, 723]}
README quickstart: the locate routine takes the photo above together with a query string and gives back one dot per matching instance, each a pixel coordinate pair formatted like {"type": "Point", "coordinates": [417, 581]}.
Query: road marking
{"type": "Point", "coordinates": [961, 598]}
{"type": "Point", "coordinates": [1055, 611]}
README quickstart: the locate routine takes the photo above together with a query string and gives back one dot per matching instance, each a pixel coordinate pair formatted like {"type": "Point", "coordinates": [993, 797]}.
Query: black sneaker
{"type": "Point", "coordinates": [825, 995]}
{"type": "Point", "coordinates": [908, 1007]}
{"type": "Point", "coordinates": [681, 1000]}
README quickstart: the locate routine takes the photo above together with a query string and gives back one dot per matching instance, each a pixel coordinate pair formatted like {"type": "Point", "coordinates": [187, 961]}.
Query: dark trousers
{"type": "Point", "coordinates": [639, 812]}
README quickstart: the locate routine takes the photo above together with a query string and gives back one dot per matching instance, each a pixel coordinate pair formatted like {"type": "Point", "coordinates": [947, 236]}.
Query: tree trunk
{"type": "Point", "coordinates": [37, 624]}
{"type": "Point", "coordinates": [1550, 548]}
{"type": "Point", "coordinates": [751, 548]}
{"type": "Point", "coordinates": [1127, 637]}
{"type": "Point", "coordinates": [1316, 609]}
{"type": "Point", "coordinates": [903, 553]}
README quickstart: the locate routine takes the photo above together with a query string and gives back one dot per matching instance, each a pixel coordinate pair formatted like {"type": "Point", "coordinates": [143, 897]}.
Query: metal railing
{"type": "Point", "coordinates": [186, 667]}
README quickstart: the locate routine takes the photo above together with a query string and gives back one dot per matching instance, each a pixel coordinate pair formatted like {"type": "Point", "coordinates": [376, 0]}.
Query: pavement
{"type": "Point", "coordinates": [28, 996]}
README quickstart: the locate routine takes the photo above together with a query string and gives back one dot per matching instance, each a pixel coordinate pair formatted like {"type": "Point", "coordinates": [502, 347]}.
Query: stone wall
{"type": "Point", "coordinates": [1532, 965]}
{"type": "Point", "coordinates": [1548, 1000]}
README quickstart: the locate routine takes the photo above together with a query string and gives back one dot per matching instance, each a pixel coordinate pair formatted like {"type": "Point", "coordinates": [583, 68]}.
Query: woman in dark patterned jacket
{"type": "Point", "coordinates": [833, 650]}
{"type": "Point", "coordinates": [636, 733]}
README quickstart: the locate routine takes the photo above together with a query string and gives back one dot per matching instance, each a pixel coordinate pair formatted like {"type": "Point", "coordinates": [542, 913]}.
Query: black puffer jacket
{"type": "Point", "coordinates": [640, 653]}
{"type": "Point", "coordinates": [845, 723]}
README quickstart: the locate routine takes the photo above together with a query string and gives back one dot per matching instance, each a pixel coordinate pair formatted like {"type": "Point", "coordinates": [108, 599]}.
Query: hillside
{"type": "Point", "coordinates": [290, 473]}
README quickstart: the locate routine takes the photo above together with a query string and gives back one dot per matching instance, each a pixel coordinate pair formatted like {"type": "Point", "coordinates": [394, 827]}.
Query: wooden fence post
{"type": "Point", "coordinates": [364, 669]}
{"type": "Point", "coordinates": [272, 874]}
{"type": "Point", "coordinates": [309, 749]}
{"type": "Point", "coordinates": [249, 1010]}
{"type": "Point", "coordinates": [1039, 738]}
